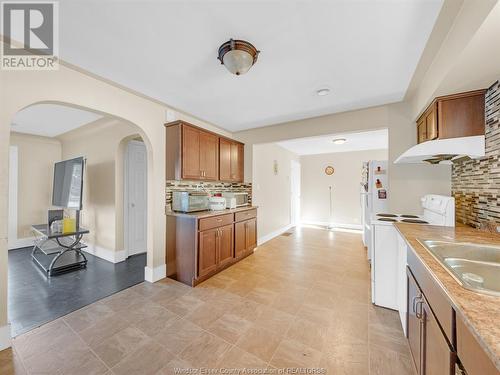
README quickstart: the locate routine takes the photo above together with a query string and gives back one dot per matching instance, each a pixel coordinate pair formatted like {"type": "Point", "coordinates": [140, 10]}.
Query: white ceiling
{"type": "Point", "coordinates": [370, 140]}
{"type": "Point", "coordinates": [365, 51]}
{"type": "Point", "coordinates": [50, 120]}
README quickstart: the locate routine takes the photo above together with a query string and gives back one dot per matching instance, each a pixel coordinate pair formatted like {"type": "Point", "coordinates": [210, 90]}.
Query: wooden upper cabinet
{"type": "Point", "coordinates": [193, 153]}
{"type": "Point", "coordinates": [224, 159]}
{"type": "Point", "coordinates": [209, 156]}
{"type": "Point", "coordinates": [191, 167]}
{"type": "Point", "coordinates": [452, 116]}
{"type": "Point", "coordinates": [431, 123]}
{"type": "Point", "coordinates": [231, 160]}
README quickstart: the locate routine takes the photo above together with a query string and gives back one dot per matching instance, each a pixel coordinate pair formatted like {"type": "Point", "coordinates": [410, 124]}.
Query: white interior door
{"type": "Point", "coordinates": [135, 193]}
{"type": "Point", "coordinates": [295, 193]}
{"type": "Point", "coordinates": [13, 175]}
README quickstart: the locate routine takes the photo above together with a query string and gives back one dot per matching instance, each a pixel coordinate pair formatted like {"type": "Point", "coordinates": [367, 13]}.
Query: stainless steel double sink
{"type": "Point", "coordinates": [476, 267]}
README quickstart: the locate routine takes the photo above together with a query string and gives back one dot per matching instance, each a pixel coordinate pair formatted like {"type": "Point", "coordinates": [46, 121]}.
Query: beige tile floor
{"type": "Point", "coordinates": [299, 301]}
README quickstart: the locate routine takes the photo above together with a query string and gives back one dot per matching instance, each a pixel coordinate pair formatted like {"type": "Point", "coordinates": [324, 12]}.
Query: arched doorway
{"type": "Point", "coordinates": [100, 142]}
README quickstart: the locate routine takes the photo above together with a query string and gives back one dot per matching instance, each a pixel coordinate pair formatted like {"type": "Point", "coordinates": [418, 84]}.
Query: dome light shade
{"type": "Point", "coordinates": [238, 56]}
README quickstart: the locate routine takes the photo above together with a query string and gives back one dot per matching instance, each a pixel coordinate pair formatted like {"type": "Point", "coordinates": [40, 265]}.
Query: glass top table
{"type": "Point", "coordinates": [57, 252]}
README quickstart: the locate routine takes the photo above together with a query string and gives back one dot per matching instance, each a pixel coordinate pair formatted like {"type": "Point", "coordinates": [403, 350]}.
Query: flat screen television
{"type": "Point", "coordinates": [67, 190]}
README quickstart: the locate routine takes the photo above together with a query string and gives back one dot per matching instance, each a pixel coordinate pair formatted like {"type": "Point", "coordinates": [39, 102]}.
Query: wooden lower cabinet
{"type": "Point", "coordinates": [413, 323]}
{"type": "Point", "coordinates": [208, 243]}
{"type": "Point", "coordinates": [226, 245]}
{"type": "Point", "coordinates": [215, 249]}
{"type": "Point", "coordinates": [429, 348]}
{"type": "Point", "coordinates": [437, 357]}
{"type": "Point", "coordinates": [245, 237]}
{"type": "Point", "coordinates": [199, 247]}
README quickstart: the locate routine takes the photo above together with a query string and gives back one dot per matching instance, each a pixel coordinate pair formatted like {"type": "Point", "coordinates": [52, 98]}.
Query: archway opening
{"type": "Point", "coordinates": [43, 135]}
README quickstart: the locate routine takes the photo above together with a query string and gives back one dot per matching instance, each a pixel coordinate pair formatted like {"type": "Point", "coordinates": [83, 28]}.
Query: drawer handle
{"type": "Point", "coordinates": [219, 220]}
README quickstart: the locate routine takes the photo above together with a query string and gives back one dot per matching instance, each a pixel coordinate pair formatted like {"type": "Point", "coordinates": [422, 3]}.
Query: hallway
{"type": "Point", "coordinates": [301, 300]}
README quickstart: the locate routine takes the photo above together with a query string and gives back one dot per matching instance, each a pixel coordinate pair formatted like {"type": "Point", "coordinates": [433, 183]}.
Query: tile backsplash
{"type": "Point", "coordinates": [212, 187]}
{"type": "Point", "coordinates": [476, 183]}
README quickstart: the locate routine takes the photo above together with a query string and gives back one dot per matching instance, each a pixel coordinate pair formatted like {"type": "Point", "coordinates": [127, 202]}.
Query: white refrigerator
{"type": "Point", "coordinates": [374, 195]}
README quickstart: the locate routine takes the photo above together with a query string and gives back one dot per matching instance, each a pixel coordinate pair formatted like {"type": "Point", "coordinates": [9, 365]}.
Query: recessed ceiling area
{"type": "Point", "coordinates": [51, 120]}
{"type": "Point", "coordinates": [365, 52]}
{"type": "Point", "coordinates": [362, 141]}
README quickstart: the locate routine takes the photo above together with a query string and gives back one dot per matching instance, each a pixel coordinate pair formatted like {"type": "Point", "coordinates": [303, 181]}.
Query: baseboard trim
{"type": "Point", "coordinates": [273, 234]}
{"type": "Point", "coordinates": [334, 225]}
{"type": "Point", "coordinates": [154, 274]}
{"type": "Point", "coordinates": [106, 254]}
{"type": "Point", "coordinates": [5, 340]}
{"type": "Point", "coordinates": [18, 243]}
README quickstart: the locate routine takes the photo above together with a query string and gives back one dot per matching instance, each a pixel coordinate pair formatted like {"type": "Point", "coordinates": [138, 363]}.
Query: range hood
{"type": "Point", "coordinates": [444, 151]}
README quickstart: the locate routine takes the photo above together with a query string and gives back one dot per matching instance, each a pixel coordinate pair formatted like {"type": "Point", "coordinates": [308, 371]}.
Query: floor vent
{"type": "Point", "coordinates": [286, 234]}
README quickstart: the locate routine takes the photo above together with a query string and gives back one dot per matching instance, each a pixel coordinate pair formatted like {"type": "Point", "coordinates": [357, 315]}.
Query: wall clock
{"type": "Point", "coordinates": [329, 170]}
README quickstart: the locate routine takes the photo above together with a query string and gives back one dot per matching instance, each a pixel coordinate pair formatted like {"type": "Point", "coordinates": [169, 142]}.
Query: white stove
{"type": "Point", "coordinates": [388, 264]}
{"type": "Point", "coordinates": [437, 210]}
{"type": "Point", "coordinates": [389, 219]}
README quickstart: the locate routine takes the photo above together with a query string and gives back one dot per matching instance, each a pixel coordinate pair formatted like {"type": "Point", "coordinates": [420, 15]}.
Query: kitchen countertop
{"type": "Point", "coordinates": [208, 213]}
{"type": "Point", "coordinates": [480, 312]}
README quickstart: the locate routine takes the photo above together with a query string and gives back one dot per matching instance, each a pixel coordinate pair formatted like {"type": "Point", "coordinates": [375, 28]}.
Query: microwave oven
{"type": "Point", "coordinates": [190, 201]}
{"type": "Point", "coordinates": [238, 199]}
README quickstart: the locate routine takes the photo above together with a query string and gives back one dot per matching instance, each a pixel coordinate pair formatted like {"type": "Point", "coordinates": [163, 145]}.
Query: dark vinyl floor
{"type": "Point", "coordinates": [35, 299]}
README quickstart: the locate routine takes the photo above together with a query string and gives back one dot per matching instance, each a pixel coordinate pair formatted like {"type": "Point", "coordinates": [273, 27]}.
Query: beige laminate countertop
{"type": "Point", "coordinates": [208, 213]}
{"type": "Point", "coordinates": [480, 312]}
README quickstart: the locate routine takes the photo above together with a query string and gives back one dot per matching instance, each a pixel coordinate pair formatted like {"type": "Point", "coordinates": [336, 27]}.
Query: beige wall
{"type": "Point", "coordinates": [70, 86]}
{"type": "Point", "coordinates": [36, 158]}
{"type": "Point", "coordinates": [99, 143]}
{"type": "Point", "coordinates": [315, 196]}
{"type": "Point", "coordinates": [271, 192]}
{"type": "Point", "coordinates": [408, 182]}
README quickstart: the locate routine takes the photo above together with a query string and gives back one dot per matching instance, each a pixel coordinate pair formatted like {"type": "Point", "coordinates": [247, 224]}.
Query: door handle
{"type": "Point", "coordinates": [418, 312]}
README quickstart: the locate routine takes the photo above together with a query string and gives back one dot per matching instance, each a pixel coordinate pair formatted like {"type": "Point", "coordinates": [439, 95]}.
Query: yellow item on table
{"type": "Point", "coordinates": [69, 225]}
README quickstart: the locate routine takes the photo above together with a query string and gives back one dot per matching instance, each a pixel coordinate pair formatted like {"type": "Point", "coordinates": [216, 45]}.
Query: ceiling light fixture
{"type": "Point", "coordinates": [323, 92]}
{"type": "Point", "coordinates": [238, 56]}
{"type": "Point", "coordinates": [339, 141]}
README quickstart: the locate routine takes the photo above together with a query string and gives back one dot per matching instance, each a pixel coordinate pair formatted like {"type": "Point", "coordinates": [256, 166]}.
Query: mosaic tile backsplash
{"type": "Point", "coordinates": [476, 183]}
{"type": "Point", "coordinates": [212, 187]}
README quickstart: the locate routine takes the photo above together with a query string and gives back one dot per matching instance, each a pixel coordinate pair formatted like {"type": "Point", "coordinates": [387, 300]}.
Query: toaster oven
{"type": "Point", "coordinates": [190, 201]}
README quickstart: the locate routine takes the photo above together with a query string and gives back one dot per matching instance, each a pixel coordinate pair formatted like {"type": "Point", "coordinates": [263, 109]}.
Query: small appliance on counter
{"type": "Point", "coordinates": [217, 203]}
{"type": "Point", "coordinates": [190, 201]}
{"type": "Point", "coordinates": [236, 199]}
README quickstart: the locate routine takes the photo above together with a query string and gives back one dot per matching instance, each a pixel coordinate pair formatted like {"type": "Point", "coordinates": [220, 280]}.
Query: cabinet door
{"type": "Point", "coordinates": [413, 323]}
{"type": "Point", "coordinates": [421, 130]}
{"type": "Point", "coordinates": [234, 161]}
{"type": "Point", "coordinates": [224, 160]}
{"type": "Point", "coordinates": [431, 124]}
{"type": "Point", "coordinates": [240, 239]}
{"type": "Point", "coordinates": [209, 156]}
{"type": "Point", "coordinates": [190, 153]}
{"type": "Point", "coordinates": [437, 358]}
{"type": "Point", "coordinates": [251, 236]}
{"type": "Point", "coordinates": [240, 175]}
{"type": "Point", "coordinates": [207, 254]}
{"type": "Point", "coordinates": [225, 245]}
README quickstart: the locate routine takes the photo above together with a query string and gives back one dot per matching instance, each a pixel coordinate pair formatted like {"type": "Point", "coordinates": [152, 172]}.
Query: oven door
{"type": "Point", "coordinates": [241, 199]}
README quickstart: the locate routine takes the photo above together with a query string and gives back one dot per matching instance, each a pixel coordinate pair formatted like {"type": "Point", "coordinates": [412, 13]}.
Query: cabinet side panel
{"type": "Point", "coordinates": [470, 353]}
{"type": "Point", "coordinates": [173, 152]}
{"type": "Point", "coordinates": [185, 249]}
